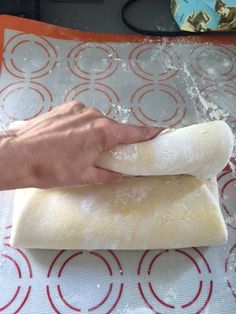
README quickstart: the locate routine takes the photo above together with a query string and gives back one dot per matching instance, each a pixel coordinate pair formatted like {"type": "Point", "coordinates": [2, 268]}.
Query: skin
{"type": "Point", "coordinates": [60, 148]}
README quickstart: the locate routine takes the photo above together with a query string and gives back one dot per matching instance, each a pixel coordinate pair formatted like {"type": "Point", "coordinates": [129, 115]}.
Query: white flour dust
{"type": "Point", "coordinates": [129, 154]}
{"type": "Point", "coordinates": [207, 110]}
{"type": "Point", "coordinates": [232, 262]}
{"type": "Point", "coordinates": [171, 295]}
{"type": "Point", "coordinates": [212, 110]}
{"type": "Point", "coordinates": [231, 220]}
{"type": "Point", "coordinates": [137, 194]}
{"type": "Point", "coordinates": [122, 113]}
{"type": "Point", "coordinates": [135, 310]}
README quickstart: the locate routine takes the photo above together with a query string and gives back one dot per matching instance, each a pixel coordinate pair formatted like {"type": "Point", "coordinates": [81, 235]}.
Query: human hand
{"type": "Point", "coordinates": [60, 147]}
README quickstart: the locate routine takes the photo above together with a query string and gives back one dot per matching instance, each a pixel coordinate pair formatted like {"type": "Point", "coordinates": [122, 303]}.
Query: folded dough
{"type": "Point", "coordinates": [201, 150]}
{"type": "Point", "coordinates": [141, 212]}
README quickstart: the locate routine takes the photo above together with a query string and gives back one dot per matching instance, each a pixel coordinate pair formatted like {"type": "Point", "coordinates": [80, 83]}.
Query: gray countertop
{"type": "Point", "coordinates": [105, 15]}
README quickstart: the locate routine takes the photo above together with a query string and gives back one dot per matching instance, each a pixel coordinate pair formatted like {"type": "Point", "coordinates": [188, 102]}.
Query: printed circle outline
{"type": "Point", "coordinates": [205, 93]}
{"type": "Point", "coordinates": [40, 41]}
{"type": "Point", "coordinates": [229, 284]}
{"type": "Point", "coordinates": [19, 274]}
{"type": "Point", "coordinates": [135, 54]}
{"type": "Point", "coordinates": [99, 75]}
{"type": "Point", "coordinates": [154, 294]}
{"type": "Point", "coordinates": [107, 294]}
{"type": "Point", "coordinates": [105, 90]}
{"type": "Point", "coordinates": [229, 75]}
{"type": "Point", "coordinates": [38, 88]}
{"type": "Point", "coordinates": [175, 95]}
{"type": "Point", "coordinates": [222, 190]}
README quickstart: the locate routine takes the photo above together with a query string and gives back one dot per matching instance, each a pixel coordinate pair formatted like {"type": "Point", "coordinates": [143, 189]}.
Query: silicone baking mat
{"type": "Point", "coordinates": [130, 78]}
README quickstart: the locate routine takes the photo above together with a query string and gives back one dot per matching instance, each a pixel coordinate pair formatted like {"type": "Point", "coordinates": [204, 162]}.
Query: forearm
{"type": "Point", "coordinates": [14, 170]}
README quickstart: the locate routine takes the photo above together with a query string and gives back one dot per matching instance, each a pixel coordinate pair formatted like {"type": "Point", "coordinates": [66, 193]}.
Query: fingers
{"type": "Point", "coordinates": [110, 133]}
{"type": "Point", "coordinates": [128, 133]}
{"type": "Point", "coordinates": [76, 106]}
{"type": "Point", "coordinates": [99, 175]}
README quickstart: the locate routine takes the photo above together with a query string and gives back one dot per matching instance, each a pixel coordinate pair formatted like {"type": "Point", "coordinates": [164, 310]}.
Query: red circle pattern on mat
{"type": "Point", "coordinates": [221, 58]}
{"type": "Point", "coordinates": [84, 56]}
{"type": "Point", "coordinates": [66, 260]}
{"type": "Point", "coordinates": [157, 57]}
{"type": "Point", "coordinates": [106, 98]}
{"type": "Point", "coordinates": [19, 264]}
{"type": "Point", "coordinates": [230, 270]}
{"type": "Point", "coordinates": [30, 45]}
{"type": "Point", "coordinates": [155, 298]}
{"type": "Point", "coordinates": [150, 94]}
{"type": "Point", "coordinates": [39, 100]}
{"type": "Point", "coordinates": [216, 95]}
{"type": "Point", "coordinates": [227, 188]}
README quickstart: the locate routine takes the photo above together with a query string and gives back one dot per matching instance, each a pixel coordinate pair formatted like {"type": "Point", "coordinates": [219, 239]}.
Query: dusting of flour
{"type": "Point", "coordinates": [129, 154]}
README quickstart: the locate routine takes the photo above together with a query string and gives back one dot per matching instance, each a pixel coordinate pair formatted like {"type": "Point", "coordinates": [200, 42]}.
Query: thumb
{"type": "Point", "coordinates": [99, 175]}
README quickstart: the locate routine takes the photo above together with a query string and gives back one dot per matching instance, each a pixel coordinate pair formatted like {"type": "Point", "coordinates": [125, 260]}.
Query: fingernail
{"type": "Point", "coordinates": [159, 127]}
{"type": "Point", "coordinates": [153, 127]}
{"type": "Point", "coordinates": [151, 131]}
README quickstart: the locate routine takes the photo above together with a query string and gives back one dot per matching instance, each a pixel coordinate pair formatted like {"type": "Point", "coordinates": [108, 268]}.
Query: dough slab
{"type": "Point", "coordinates": [151, 212]}
{"type": "Point", "coordinates": [201, 150]}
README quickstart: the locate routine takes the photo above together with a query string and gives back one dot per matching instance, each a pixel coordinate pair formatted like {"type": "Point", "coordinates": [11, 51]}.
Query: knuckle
{"type": "Point", "coordinates": [76, 105]}
{"type": "Point", "coordinates": [105, 124]}
{"type": "Point", "coordinates": [104, 131]}
{"type": "Point", "coordinates": [94, 112]}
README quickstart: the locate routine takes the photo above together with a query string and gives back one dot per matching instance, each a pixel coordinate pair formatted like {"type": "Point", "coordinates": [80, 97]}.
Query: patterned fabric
{"type": "Point", "coordinates": [204, 15]}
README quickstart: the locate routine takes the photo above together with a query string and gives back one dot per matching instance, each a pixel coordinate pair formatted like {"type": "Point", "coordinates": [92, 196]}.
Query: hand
{"type": "Point", "coordinates": [60, 148]}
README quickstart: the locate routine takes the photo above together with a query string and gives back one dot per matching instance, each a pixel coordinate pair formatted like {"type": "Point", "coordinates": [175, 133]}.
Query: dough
{"type": "Point", "coordinates": [201, 150]}
{"type": "Point", "coordinates": [139, 213]}
{"type": "Point", "coordinates": [170, 211]}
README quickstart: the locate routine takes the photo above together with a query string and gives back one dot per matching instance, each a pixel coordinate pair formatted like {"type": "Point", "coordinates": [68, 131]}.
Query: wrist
{"type": "Point", "coordinates": [14, 167]}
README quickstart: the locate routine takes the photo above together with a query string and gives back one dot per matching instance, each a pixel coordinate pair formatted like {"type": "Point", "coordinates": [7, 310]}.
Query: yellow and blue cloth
{"type": "Point", "coordinates": [204, 15]}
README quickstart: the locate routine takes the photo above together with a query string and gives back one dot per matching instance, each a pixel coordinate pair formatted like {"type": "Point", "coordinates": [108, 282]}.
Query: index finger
{"type": "Point", "coordinates": [129, 133]}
